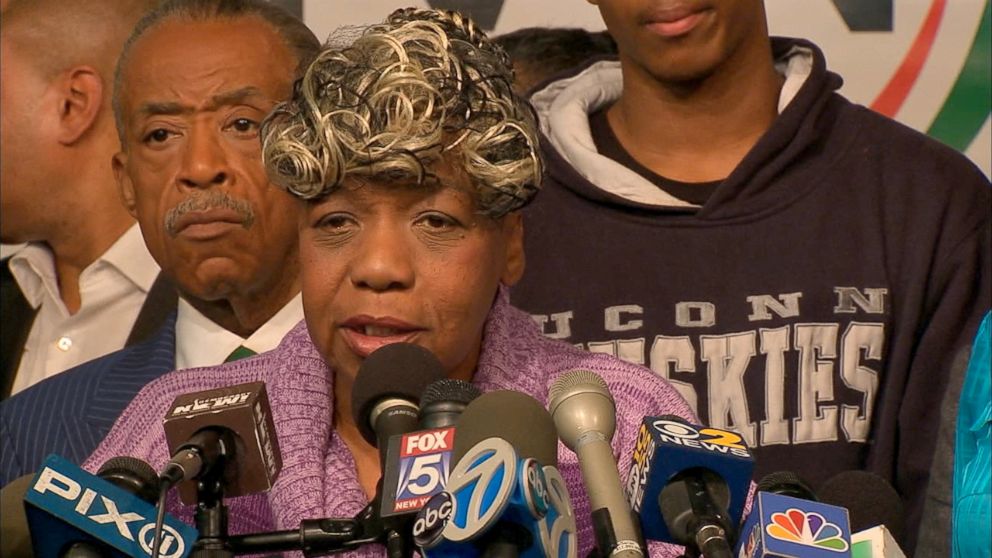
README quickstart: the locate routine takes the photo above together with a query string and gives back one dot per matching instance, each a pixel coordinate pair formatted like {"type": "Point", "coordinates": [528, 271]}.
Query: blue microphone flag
{"type": "Point", "coordinates": [66, 504]}
{"type": "Point", "coordinates": [667, 446]}
{"type": "Point", "coordinates": [786, 527]}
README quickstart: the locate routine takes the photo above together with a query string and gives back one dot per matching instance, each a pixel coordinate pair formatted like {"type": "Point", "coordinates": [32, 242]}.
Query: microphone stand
{"type": "Point", "coordinates": [320, 537]}
{"type": "Point", "coordinates": [211, 519]}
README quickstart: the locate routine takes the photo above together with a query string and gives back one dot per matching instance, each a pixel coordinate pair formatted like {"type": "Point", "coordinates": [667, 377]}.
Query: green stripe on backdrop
{"type": "Point", "coordinates": [970, 100]}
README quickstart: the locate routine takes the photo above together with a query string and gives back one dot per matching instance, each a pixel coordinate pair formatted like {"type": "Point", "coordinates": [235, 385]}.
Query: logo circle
{"type": "Point", "coordinates": [431, 520]}
{"type": "Point", "coordinates": [675, 429]}
{"type": "Point", "coordinates": [146, 537]}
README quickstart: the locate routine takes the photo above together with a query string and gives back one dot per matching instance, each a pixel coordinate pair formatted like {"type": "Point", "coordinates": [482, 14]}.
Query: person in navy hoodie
{"type": "Point", "coordinates": [801, 268]}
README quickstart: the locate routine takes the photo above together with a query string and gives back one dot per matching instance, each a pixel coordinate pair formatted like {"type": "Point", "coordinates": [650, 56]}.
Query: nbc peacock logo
{"type": "Point", "coordinates": [807, 529]}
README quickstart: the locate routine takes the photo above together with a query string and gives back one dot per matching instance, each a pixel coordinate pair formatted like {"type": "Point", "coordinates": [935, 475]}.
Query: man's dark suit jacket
{"type": "Point", "coordinates": [71, 412]}
{"type": "Point", "coordinates": [18, 316]}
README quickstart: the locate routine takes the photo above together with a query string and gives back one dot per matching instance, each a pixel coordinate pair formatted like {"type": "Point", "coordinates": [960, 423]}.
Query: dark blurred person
{"type": "Point", "coordinates": [802, 269]}
{"type": "Point", "coordinates": [537, 53]}
{"type": "Point", "coordinates": [75, 290]}
{"type": "Point", "coordinates": [191, 172]}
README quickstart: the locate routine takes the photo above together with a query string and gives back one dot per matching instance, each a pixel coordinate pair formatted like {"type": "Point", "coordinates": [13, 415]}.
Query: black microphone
{"type": "Point", "coordinates": [384, 403]}
{"type": "Point", "coordinates": [418, 463]}
{"type": "Point", "coordinates": [385, 397]}
{"type": "Point", "coordinates": [72, 513]}
{"type": "Point", "coordinates": [869, 499]}
{"type": "Point", "coordinates": [787, 519]}
{"type": "Point", "coordinates": [688, 484]}
{"type": "Point", "coordinates": [787, 483]}
{"type": "Point", "coordinates": [585, 417]}
{"type": "Point", "coordinates": [444, 401]}
{"type": "Point", "coordinates": [128, 473]}
{"type": "Point", "coordinates": [225, 434]}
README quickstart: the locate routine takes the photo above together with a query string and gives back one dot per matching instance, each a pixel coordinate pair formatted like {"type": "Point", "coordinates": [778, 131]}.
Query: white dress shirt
{"type": "Point", "coordinates": [111, 289]}
{"type": "Point", "coordinates": [201, 342]}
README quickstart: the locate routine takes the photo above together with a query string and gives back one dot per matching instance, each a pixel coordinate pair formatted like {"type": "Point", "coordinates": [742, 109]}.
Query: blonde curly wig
{"type": "Point", "coordinates": [422, 85]}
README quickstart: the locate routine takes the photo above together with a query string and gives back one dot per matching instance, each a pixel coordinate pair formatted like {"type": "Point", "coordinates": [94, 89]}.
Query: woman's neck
{"type": "Point", "coordinates": [366, 456]}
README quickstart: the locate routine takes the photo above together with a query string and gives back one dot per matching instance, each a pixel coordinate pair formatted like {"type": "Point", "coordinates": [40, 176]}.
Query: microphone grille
{"type": "Point", "coordinates": [513, 416]}
{"type": "Point", "coordinates": [400, 370]}
{"type": "Point", "coordinates": [576, 381]}
{"type": "Point", "coordinates": [131, 474]}
{"type": "Point", "coordinates": [449, 390]}
{"type": "Point", "coordinates": [788, 483]}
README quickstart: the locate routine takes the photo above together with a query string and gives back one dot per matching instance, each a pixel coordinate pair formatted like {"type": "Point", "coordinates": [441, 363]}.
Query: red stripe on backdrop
{"type": "Point", "coordinates": [890, 100]}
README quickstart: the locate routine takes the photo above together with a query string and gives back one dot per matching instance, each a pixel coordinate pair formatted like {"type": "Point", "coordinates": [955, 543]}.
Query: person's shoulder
{"type": "Point", "coordinates": [915, 152]}
{"type": "Point", "coordinates": [76, 384]}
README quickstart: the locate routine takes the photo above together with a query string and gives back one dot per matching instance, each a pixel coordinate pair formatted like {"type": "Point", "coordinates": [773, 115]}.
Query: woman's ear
{"type": "Point", "coordinates": [513, 237]}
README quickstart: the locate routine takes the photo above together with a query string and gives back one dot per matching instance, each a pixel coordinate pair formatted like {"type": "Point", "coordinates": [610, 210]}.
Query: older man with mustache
{"type": "Point", "coordinates": [190, 172]}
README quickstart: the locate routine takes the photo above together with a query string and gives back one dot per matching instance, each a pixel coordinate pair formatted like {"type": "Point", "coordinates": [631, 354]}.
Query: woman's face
{"type": "Point", "coordinates": [385, 263]}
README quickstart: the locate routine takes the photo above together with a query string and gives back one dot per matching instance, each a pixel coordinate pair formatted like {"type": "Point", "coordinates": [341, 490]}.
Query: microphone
{"type": "Point", "coordinates": [419, 462]}
{"type": "Point", "coordinates": [15, 539]}
{"type": "Point", "coordinates": [787, 483]}
{"type": "Point", "coordinates": [384, 401]}
{"type": "Point", "coordinates": [584, 414]}
{"type": "Point", "coordinates": [782, 525]}
{"type": "Point", "coordinates": [73, 513]}
{"type": "Point", "coordinates": [387, 390]}
{"type": "Point", "coordinates": [498, 495]}
{"type": "Point", "coordinates": [225, 433]}
{"type": "Point", "coordinates": [444, 401]}
{"type": "Point", "coordinates": [688, 483]}
{"type": "Point", "coordinates": [869, 498]}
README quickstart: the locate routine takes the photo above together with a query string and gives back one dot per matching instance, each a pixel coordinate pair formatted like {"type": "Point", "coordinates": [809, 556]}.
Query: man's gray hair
{"type": "Point", "coordinates": [298, 37]}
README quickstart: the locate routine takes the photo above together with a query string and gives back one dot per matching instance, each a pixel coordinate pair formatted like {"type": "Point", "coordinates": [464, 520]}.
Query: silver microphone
{"type": "Point", "coordinates": [585, 417]}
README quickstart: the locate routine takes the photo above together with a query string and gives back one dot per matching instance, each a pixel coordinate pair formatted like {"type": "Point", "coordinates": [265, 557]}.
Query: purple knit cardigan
{"type": "Point", "coordinates": [318, 477]}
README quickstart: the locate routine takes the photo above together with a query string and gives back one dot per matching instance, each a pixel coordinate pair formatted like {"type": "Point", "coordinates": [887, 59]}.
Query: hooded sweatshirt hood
{"type": "Point", "coordinates": [564, 106]}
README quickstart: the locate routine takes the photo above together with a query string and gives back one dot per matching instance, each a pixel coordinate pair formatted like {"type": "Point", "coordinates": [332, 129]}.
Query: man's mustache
{"type": "Point", "coordinates": [205, 201]}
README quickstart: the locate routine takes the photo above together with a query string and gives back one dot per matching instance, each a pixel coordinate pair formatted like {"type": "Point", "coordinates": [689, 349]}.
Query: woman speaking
{"type": "Point", "coordinates": [412, 157]}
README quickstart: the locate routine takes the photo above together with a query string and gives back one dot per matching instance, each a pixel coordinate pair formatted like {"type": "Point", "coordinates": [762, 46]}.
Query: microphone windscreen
{"type": "Point", "coordinates": [787, 483]}
{"type": "Point", "coordinates": [869, 499]}
{"type": "Point", "coordinates": [398, 370]}
{"type": "Point", "coordinates": [15, 537]}
{"type": "Point", "coordinates": [133, 475]}
{"type": "Point", "coordinates": [449, 390]}
{"type": "Point", "coordinates": [513, 416]}
{"type": "Point", "coordinates": [580, 401]}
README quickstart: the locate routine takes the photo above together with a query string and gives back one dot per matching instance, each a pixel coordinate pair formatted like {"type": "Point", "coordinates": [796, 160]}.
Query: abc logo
{"type": "Point", "coordinates": [536, 489]}
{"type": "Point", "coordinates": [431, 520]}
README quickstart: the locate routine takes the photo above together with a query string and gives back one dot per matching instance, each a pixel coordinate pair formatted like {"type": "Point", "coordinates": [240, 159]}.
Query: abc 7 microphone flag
{"type": "Point", "coordinates": [490, 485]}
